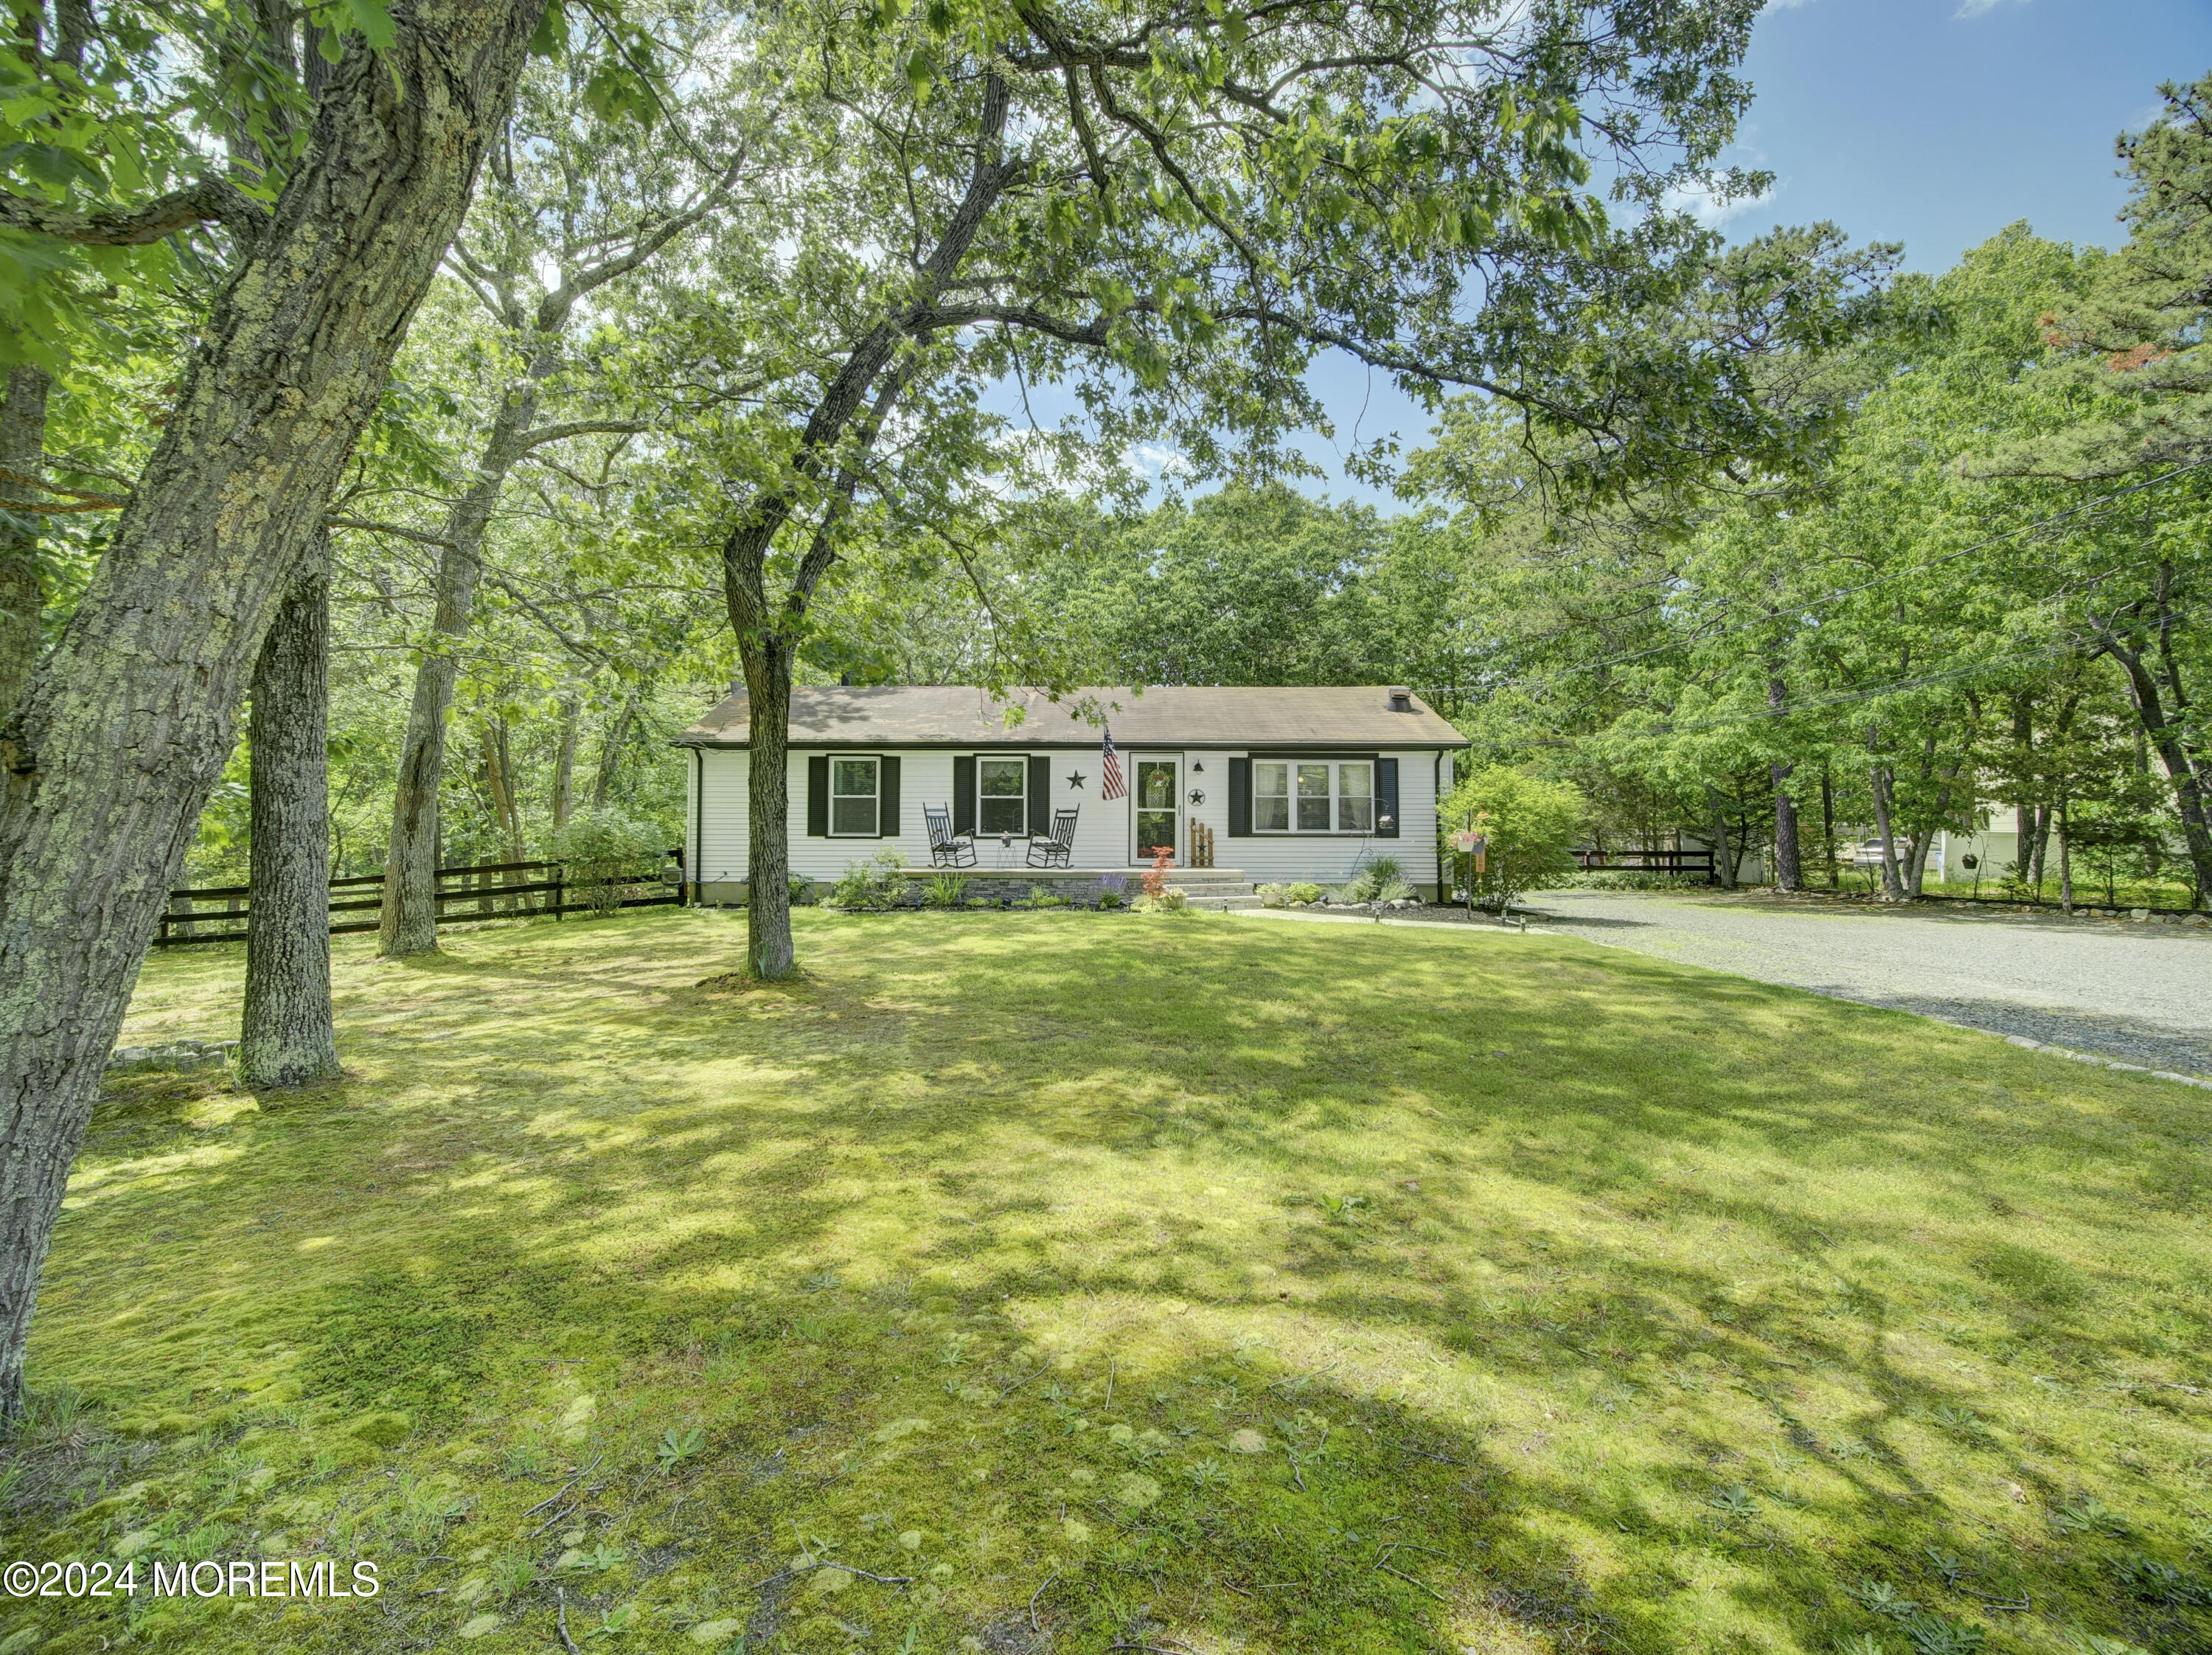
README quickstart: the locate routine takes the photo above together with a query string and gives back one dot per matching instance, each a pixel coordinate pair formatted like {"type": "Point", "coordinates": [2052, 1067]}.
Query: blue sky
{"type": "Point", "coordinates": [1935, 123]}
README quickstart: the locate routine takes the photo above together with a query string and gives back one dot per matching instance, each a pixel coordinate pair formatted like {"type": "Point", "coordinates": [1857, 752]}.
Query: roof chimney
{"type": "Point", "coordinates": [1401, 699]}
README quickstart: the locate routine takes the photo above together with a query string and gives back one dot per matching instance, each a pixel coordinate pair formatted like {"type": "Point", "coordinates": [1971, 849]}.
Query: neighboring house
{"type": "Point", "coordinates": [1288, 784]}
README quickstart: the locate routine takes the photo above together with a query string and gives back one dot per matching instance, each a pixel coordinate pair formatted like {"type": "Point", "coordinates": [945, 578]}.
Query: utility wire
{"type": "Point", "coordinates": [1793, 609]}
{"type": "Point", "coordinates": [1845, 698]}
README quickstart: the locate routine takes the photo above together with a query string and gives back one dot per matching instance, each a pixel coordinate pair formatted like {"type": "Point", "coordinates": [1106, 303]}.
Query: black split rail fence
{"type": "Point", "coordinates": [1650, 861]}
{"type": "Point", "coordinates": [484, 890]}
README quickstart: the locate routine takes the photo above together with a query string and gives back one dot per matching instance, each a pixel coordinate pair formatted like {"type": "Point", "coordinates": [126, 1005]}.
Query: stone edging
{"type": "Point", "coordinates": [2027, 1044]}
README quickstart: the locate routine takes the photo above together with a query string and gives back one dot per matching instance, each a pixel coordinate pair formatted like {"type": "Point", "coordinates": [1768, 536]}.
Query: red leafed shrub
{"type": "Point", "coordinates": [1156, 876]}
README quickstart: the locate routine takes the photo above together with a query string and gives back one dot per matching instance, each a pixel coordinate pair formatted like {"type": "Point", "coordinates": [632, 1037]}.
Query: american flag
{"type": "Point", "coordinates": [1110, 783]}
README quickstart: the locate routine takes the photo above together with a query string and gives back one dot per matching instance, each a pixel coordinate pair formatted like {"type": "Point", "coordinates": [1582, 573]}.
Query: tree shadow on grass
{"type": "Point", "coordinates": [1692, 1308]}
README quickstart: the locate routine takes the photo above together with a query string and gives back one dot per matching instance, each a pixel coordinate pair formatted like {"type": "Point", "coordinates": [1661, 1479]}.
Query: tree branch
{"type": "Point", "coordinates": [575, 428]}
{"type": "Point", "coordinates": [94, 502]}
{"type": "Point", "coordinates": [211, 200]}
{"type": "Point", "coordinates": [1025, 317]}
{"type": "Point", "coordinates": [553, 309]}
{"type": "Point", "coordinates": [394, 529]}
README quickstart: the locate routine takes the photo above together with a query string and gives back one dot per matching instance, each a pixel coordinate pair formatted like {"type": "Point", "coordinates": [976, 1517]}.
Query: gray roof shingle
{"type": "Point", "coordinates": [1173, 715]}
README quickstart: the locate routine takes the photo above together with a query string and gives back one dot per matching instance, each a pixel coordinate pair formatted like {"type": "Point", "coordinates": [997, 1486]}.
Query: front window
{"type": "Point", "coordinates": [1324, 796]}
{"type": "Point", "coordinates": [1001, 805]}
{"type": "Point", "coordinates": [1313, 797]}
{"type": "Point", "coordinates": [1355, 799]}
{"type": "Point", "coordinates": [1271, 798]}
{"type": "Point", "coordinates": [853, 796]}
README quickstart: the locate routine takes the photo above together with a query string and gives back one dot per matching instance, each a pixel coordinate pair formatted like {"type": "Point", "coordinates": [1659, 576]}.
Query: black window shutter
{"type": "Point", "coordinates": [1040, 796]}
{"type": "Point", "coordinates": [1240, 798]}
{"type": "Point", "coordinates": [817, 798]}
{"type": "Point", "coordinates": [964, 793]}
{"type": "Point", "coordinates": [1386, 798]}
{"type": "Point", "coordinates": [887, 799]}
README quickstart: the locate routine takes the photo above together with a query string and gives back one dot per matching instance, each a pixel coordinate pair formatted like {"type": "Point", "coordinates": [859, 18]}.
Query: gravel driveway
{"type": "Point", "coordinates": [2139, 992]}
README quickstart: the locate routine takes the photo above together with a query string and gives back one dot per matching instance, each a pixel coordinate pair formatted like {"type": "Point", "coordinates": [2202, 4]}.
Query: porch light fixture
{"type": "Point", "coordinates": [1198, 767]}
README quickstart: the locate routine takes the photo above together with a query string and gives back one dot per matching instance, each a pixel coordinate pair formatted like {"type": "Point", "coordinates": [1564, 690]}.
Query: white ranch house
{"type": "Point", "coordinates": [1276, 784]}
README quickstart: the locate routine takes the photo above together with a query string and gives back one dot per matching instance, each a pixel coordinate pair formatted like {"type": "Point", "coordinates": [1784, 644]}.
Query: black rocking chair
{"type": "Point", "coordinates": [1055, 851]}
{"type": "Point", "coordinates": [946, 847]}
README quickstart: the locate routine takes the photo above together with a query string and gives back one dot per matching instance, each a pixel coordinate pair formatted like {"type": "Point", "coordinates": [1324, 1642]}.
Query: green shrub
{"type": "Point", "coordinates": [945, 890]}
{"type": "Point", "coordinates": [1626, 878]}
{"type": "Point", "coordinates": [1300, 894]}
{"type": "Point", "coordinates": [875, 883]}
{"type": "Point", "coordinates": [1041, 897]}
{"type": "Point", "coordinates": [604, 853]}
{"type": "Point", "coordinates": [1532, 824]}
{"type": "Point", "coordinates": [1379, 881]}
{"type": "Point", "coordinates": [1109, 899]}
{"type": "Point", "coordinates": [800, 888]}
{"type": "Point", "coordinates": [1377, 885]}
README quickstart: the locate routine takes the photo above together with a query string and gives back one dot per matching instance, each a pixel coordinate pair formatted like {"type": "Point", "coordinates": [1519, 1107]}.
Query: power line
{"type": "Point", "coordinates": [1845, 698]}
{"type": "Point", "coordinates": [1866, 586]}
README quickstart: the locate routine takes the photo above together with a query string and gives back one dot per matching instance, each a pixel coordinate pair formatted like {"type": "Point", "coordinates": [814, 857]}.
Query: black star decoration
{"type": "Point", "coordinates": [1075, 779]}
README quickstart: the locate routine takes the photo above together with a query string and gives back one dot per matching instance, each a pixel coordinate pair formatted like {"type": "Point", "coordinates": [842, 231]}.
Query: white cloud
{"type": "Point", "coordinates": [1978, 8]}
{"type": "Point", "coordinates": [1711, 212]}
{"type": "Point", "coordinates": [1156, 460]}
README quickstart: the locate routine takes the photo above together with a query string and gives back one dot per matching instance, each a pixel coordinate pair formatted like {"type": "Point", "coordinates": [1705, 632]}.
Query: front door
{"type": "Point", "coordinates": [1159, 806]}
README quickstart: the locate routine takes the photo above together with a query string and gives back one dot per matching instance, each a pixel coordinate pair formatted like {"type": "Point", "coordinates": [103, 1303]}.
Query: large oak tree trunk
{"type": "Point", "coordinates": [130, 719]}
{"type": "Point", "coordinates": [286, 1037]}
{"type": "Point", "coordinates": [23, 460]}
{"type": "Point", "coordinates": [408, 923]}
{"type": "Point", "coordinates": [769, 950]}
{"type": "Point", "coordinates": [852, 412]}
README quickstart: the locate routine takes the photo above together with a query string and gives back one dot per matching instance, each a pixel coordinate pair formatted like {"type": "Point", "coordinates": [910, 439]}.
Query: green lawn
{"type": "Point", "coordinates": [1166, 1281]}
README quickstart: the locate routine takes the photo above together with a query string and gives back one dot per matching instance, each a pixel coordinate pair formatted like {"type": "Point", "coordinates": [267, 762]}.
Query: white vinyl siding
{"type": "Point", "coordinates": [718, 830]}
{"type": "Point", "coordinates": [1103, 832]}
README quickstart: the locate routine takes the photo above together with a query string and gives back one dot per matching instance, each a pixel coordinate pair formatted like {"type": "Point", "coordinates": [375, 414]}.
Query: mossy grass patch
{"type": "Point", "coordinates": [1024, 1283]}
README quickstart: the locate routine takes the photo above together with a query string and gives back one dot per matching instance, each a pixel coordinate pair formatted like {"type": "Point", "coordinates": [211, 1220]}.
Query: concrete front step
{"type": "Point", "coordinates": [1219, 897]}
